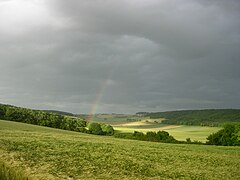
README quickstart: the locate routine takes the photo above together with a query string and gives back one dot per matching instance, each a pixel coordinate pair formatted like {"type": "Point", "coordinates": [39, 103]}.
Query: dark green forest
{"type": "Point", "coordinates": [209, 117]}
{"type": "Point", "coordinates": [50, 119]}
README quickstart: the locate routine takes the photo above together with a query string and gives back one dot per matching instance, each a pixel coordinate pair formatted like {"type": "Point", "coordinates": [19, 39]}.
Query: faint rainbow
{"type": "Point", "coordinates": [99, 96]}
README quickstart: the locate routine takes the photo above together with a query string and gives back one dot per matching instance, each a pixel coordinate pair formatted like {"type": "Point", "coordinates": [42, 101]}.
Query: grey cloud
{"type": "Point", "coordinates": [199, 25]}
{"type": "Point", "coordinates": [141, 56]}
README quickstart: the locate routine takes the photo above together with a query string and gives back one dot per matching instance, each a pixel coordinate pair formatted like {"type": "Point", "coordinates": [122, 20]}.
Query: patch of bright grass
{"type": "Point", "coordinates": [179, 132]}
{"type": "Point", "coordinates": [144, 124]}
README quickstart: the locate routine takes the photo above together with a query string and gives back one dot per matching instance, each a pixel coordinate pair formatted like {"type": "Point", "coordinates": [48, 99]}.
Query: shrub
{"type": "Point", "coordinates": [188, 140]}
{"type": "Point", "coordinates": [139, 135]}
{"type": "Point", "coordinates": [228, 136]}
{"type": "Point", "coordinates": [107, 129]}
{"type": "Point", "coordinates": [95, 128]}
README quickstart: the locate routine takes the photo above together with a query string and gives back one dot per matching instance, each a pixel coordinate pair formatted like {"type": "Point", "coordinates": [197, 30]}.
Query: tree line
{"type": "Point", "coordinates": [37, 117]}
{"type": "Point", "coordinates": [160, 136]}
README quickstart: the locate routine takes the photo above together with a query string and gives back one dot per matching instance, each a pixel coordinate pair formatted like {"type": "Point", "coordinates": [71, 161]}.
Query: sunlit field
{"type": "Point", "coordinates": [198, 133]}
{"type": "Point", "coordinates": [179, 132]}
{"type": "Point", "coordinates": [144, 124]}
{"type": "Point", "coordinates": [46, 153]}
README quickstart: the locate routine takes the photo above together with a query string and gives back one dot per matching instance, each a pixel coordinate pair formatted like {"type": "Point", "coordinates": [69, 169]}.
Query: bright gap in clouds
{"type": "Point", "coordinates": [20, 16]}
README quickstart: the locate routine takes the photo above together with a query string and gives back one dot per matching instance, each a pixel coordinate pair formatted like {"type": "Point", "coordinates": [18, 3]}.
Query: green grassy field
{"type": "Point", "coordinates": [198, 133]}
{"type": "Point", "coordinates": [45, 153]}
{"type": "Point", "coordinates": [179, 132]}
{"type": "Point", "coordinates": [144, 124]}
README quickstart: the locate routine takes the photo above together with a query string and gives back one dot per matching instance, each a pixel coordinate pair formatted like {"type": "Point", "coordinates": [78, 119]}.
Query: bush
{"type": "Point", "coordinates": [95, 128]}
{"type": "Point", "coordinates": [151, 136]}
{"type": "Point", "coordinates": [228, 136]}
{"type": "Point", "coordinates": [82, 129]}
{"type": "Point", "coordinates": [107, 129]}
{"type": "Point", "coordinates": [160, 136]}
{"type": "Point", "coordinates": [188, 140]}
{"type": "Point", "coordinates": [139, 135]}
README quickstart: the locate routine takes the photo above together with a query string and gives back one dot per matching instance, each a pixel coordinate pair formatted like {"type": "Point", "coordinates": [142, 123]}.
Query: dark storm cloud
{"type": "Point", "coordinates": [143, 55]}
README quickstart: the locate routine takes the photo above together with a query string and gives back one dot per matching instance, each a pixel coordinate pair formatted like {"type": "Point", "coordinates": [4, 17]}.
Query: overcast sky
{"type": "Point", "coordinates": [120, 56]}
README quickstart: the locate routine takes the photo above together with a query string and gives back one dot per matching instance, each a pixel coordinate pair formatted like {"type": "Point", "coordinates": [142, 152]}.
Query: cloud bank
{"type": "Point", "coordinates": [120, 56]}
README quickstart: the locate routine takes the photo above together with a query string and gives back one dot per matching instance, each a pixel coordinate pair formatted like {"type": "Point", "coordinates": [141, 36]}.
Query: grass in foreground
{"type": "Point", "coordinates": [47, 153]}
{"type": "Point", "coordinates": [9, 173]}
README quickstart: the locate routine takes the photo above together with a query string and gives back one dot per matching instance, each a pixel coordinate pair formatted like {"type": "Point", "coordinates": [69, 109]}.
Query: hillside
{"type": "Point", "coordinates": [48, 153]}
{"type": "Point", "coordinates": [208, 117]}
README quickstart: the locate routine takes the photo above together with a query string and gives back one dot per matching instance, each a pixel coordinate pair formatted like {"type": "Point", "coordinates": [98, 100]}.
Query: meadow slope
{"type": "Point", "coordinates": [47, 153]}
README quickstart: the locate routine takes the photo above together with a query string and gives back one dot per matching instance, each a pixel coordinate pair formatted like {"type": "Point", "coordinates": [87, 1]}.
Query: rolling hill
{"type": "Point", "coordinates": [46, 153]}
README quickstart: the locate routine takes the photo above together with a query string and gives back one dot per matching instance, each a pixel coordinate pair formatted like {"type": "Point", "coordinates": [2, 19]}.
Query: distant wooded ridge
{"type": "Point", "coordinates": [206, 117]}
